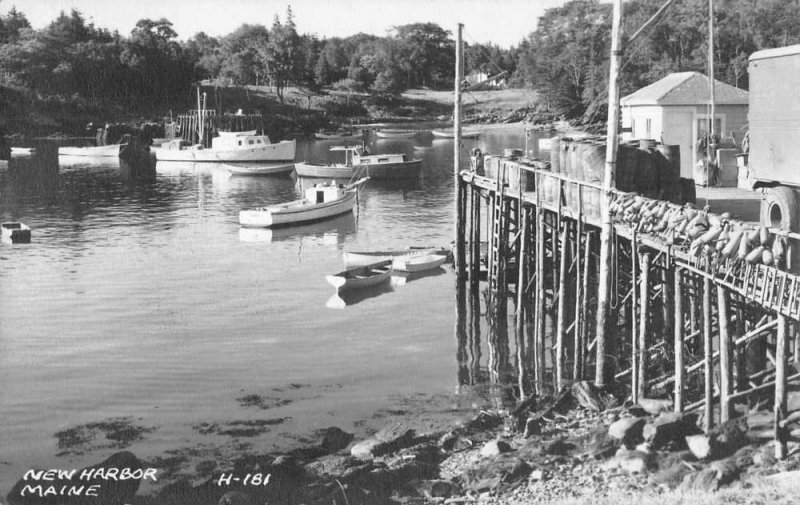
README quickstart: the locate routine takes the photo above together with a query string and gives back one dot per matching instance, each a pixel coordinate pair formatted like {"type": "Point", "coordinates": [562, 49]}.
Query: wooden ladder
{"type": "Point", "coordinates": [772, 288]}
{"type": "Point", "coordinates": [496, 247]}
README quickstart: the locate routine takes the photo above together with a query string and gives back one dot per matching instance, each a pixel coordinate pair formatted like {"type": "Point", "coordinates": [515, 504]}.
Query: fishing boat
{"type": "Point", "coordinates": [356, 258]}
{"type": "Point", "coordinates": [15, 233]}
{"type": "Point", "coordinates": [357, 160]}
{"type": "Point", "coordinates": [109, 151]}
{"type": "Point", "coordinates": [395, 134]}
{"type": "Point", "coordinates": [259, 169]}
{"type": "Point", "coordinates": [361, 277]}
{"type": "Point", "coordinates": [418, 262]}
{"type": "Point", "coordinates": [321, 202]}
{"type": "Point", "coordinates": [228, 147]}
{"type": "Point", "coordinates": [449, 134]}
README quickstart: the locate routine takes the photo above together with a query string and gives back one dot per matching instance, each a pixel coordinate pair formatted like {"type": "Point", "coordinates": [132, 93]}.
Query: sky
{"type": "Point", "coordinates": [502, 22]}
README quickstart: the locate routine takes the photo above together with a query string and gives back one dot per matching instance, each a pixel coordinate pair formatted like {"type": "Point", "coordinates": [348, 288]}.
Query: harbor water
{"type": "Point", "coordinates": [141, 300]}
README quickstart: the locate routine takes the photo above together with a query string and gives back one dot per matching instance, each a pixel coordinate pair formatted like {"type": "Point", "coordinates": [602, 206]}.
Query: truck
{"type": "Point", "coordinates": [774, 134]}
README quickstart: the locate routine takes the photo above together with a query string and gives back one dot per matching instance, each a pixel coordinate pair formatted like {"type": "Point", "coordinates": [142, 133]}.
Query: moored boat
{"type": "Point", "coordinates": [259, 169]}
{"type": "Point", "coordinates": [227, 147]}
{"type": "Point", "coordinates": [418, 262]}
{"type": "Point", "coordinates": [358, 161]}
{"type": "Point", "coordinates": [15, 233]}
{"type": "Point", "coordinates": [321, 202]}
{"type": "Point", "coordinates": [449, 134]}
{"type": "Point", "coordinates": [109, 151]}
{"type": "Point", "coordinates": [355, 258]}
{"type": "Point", "coordinates": [362, 276]}
{"type": "Point", "coordinates": [336, 135]}
{"type": "Point", "coordinates": [395, 134]}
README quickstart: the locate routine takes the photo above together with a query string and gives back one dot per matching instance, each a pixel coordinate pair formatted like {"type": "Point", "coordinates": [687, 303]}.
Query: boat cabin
{"type": "Point", "coordinates": [323, 193]}
{"type": "Point", "coordinates": [357, 155]}
{"type": "Point", "coordinates": [231, 141]}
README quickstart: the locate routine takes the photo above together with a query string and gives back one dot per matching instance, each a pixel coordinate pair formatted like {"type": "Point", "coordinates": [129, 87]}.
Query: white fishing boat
{"type": "Point", "coordinates": [109, 151]}
{"type": "Point", "coordinates": [321, 202]}
{"type": "Point", "coordinates": [362, 277]}
{"type": "Point", "coordinates": [15, 233]}
{"type": "Point", "coordinates": [358, 161]}
{"type": "Point", "coordinates": [356, 258]}
{"type": "Point", "coordinates": [229, 147]}
{"type": "Point", "coordinates": [449, 134]}
{"type": "Point", "coordinates": [418, 262]}
{"type": "Point", "coordinates": [258, 169]}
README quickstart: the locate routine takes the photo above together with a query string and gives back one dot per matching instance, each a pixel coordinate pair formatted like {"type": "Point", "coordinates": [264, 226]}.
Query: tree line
{"type": "Point", "coordinates": [565, 57]}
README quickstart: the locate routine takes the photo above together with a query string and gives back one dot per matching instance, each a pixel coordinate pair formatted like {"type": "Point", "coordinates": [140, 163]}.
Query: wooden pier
{"type": "Point", "coordinates": [689, 318]}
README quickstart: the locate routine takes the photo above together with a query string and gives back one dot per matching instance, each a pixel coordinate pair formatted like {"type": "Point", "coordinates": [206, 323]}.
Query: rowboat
{"type": "Point", "coordinates": [361, 277]}
{"type": "Point", "coordinates": [395, 134]}
{"type": "Point", "coordinates": [357, 161]}
{"type": "Point", "coordinates": [260, 169]}
{"type": "Point", "coordinates": [335, 135]}
{"type": "Point", "coordinates": [109, 151]}
{"type": "Point", "coordinates": [15, 233]}
{"type": "Point", "coordinates": [227, 147]}
{"type": "Point", "coordinates": [418, 262]}
{"type": "Point", "coordinates": [356, 258]}
{"type": "Point", "coordinates": [321, 202]}
{"type": "Point", "coordinates": [449, 134]}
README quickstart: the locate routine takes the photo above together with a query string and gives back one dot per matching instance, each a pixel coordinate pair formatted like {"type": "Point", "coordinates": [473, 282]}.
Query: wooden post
{"type": "Point", "coordinates": [644, 301]}
{"type": "Point", "coordinates": [604, 277]}
{"type": "Point", "coordinates": [781, 408]}
{"type": "Point", "coordinates": [475, 242]}
{"type": "Point", "coordinates": [708, 353]}
{"type": "Point", "coordinates": [562, 292]}
{"type": "Point", "coordinates": [580, 336]}
{"type": "Point", "coordinates": [522, 280]}
{"type": "Point", "coordinates": [725, 357]}
{"type": "Point", "coordinates": [540, 293]}
{"type": "Point", "coordinates": [458, 185]}
{"type": "Point", "coordinates": [680, 372]}
{"type": "Point", "coordinates": [634, 324]}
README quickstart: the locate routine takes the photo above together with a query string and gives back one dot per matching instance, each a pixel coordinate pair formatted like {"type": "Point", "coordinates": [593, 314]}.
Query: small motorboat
{"type": "Point", "coordinates": [109, 151]}
{"type": "Point", "coordinates": [418, 262]}
{"type": "Point", "coordinates": [322, 201]}
{"type": "Point", "coordinates": [450, 134]}
{"type": "Point", "coordinates": [362, 276]}
{"type": "Point", "coordinates": [355, 258]}
{"type": "Point", "coordinates": [358, 161]}
{"type": "Point", "coordinates": [15, 233]}
{"type": "Point", "coordinates": [260, 169]}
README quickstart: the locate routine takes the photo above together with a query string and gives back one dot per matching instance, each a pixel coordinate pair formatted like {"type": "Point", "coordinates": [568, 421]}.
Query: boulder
{"type": "Point", "coordinates": [495, 448]}
{"type": "Point", "coordinates": [669, 427]}
{"type": "Point", "coordinates": [627, 429]}
{"type": "Point", "coordinates": [335, 439]}
{"type": "Point", "coordinates": [700, 446]}
{"type": "Point", "coordinates": [655, 406]}
{"type": "Point", "coordinates": [451, 442]}
{"type": "Point", "coordinates": [385, 441]}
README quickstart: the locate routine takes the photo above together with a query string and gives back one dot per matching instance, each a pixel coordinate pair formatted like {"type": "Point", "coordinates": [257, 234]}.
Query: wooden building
{"type": "Point", "coordinates": [675, 111]}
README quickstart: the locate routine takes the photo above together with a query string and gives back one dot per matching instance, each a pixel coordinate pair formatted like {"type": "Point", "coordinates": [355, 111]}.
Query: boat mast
{"type": "Point", "coordinates": [709, 147]}
{"type": "Point", "coordinates": [612, 141]}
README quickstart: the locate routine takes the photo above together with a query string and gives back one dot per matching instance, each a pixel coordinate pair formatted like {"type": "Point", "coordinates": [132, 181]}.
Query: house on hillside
{"type": "Point", "coordinates": [485, 80]}
{"type": "Point", "coordinates": [675, 110]}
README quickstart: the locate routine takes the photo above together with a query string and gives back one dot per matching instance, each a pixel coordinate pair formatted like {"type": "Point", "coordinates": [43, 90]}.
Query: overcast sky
{"type": "Point", "coordinates": [501, 22]}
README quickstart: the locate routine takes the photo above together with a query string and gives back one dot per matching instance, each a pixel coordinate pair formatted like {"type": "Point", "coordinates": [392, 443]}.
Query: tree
{"type": "Point", "coordinates": [280, 56]}
{"type": "Point", "coordinates": [427, 53]}
{"type": "Point", "coordinates": [240, 54]}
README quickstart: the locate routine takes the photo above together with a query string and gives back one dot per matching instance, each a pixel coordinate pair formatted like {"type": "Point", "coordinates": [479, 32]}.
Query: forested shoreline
{"type": "Point", "coordinates": [72, 68]}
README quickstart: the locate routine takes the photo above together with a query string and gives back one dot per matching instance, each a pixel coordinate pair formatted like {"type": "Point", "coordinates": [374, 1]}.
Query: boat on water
{"type": "Point", "coordinates": [258, 169]}
{"type": "Point", "coordinates": [395, 134]}
{"type": "Point", "coordinates": [418, 262]}
{"type": "Point", "coordinates": [109, 151]}
{"type": "Point", "coordinates": [320, 202]}
{"type": "Point", "coordinates": [336, 135]}
{"type": "Point", "coordinates": [358, 161]}
{"type": "Point", "coordinates": [228, 147]}
{"type": "Point", "coordinates": [356, 258]}
{"type": "Point", "coordinates": [15, 233]}
{"type": "Point", "coordinates": [449, 134]}
{"type": "Point", "coordinates": [362, 276]}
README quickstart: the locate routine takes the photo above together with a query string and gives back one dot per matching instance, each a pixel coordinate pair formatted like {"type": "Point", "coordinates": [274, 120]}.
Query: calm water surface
{"type": "Point", "coordinates": [141, 298]}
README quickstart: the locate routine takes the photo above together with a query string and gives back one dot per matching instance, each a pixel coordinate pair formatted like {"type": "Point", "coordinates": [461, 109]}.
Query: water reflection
{"type": "Point", "coordinates": [343, 299]}
{"type": "Point", "coordinates": [400, 278]}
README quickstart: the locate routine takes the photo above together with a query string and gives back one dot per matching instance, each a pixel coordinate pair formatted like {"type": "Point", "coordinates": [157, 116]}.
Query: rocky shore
{"type": "Point", "coordinates": [581, 445]}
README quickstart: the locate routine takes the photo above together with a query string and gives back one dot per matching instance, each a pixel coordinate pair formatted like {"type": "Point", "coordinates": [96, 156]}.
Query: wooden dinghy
{"type": "Point", "coordinates": [356, 258]}
{"type": "Point", "coordinates": [398, 134]}
{"type": "Point", "coordinates": [449, 134]}
{"type": "Point", "coordinates": [260, 169]}
{"type": "Point", "coordinates": [362, 277]}
{"type": "Point", "coordinates": [418, 262]}
{"type": "Point", "coordinates": [15, 233]}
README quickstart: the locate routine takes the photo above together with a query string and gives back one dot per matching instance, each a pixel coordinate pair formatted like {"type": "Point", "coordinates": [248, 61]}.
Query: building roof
{"type": "Point", "coordinates": [686, 88]}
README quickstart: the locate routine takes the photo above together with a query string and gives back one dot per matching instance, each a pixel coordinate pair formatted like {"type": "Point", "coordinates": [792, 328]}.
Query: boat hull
{"type": "Point", "coordinates": [324, 171]}
{"type": "Point", "coordinates": [399, 170]}
{"type": "Point", "coordinates": [296, 212]}
{"type": "Point", "coordinates": [282, 151]}
{"type": "Point", "coordinates": [419, 263]}
{"type": "Point", "coordinates": [362, 277]}
{"type": "Point", "coordinates": [282, 168]}
{"type": "Point", "coordinates": [452, 135]}
{"type": "Point", "coordinates": [395, 135]}
{"type": "Point", "coordinates": [110, 151]}
{"type": "Point", "coordinates": [361, 258]}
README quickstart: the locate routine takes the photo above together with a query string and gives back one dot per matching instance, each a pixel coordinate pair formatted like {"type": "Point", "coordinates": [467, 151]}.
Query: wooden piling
{"type": "Point", "coordinates": [634, 307]}
{"type": "Point", "coordinates": [521, 284]}
{"type": "Point", "coordinates": [644, 311]}
{"type": "Point", "coordinates": [708, 352]}
{"type": "Point", "coordinates": [725, 356]}
{"type": "Point", "coordinates": [562, 295]}
{"type": "Point", "coordinates": [678, 329]}
{"type": "Point", "coordinates": [781, 407]}
{"type": "Point", "coordinates": [540, 293]}
{"type": "Point", "coordinates": [580, 336]}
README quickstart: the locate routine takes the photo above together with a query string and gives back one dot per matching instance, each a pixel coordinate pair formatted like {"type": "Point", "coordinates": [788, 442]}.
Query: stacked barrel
{"type": "Point", "coordinates": [644, 167]}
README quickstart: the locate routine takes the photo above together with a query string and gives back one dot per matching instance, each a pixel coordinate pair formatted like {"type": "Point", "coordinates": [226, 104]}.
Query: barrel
{"type": "Point", "coordinates": [555, 155]}
{"type": "Point", "coordinates": [594, 160]}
